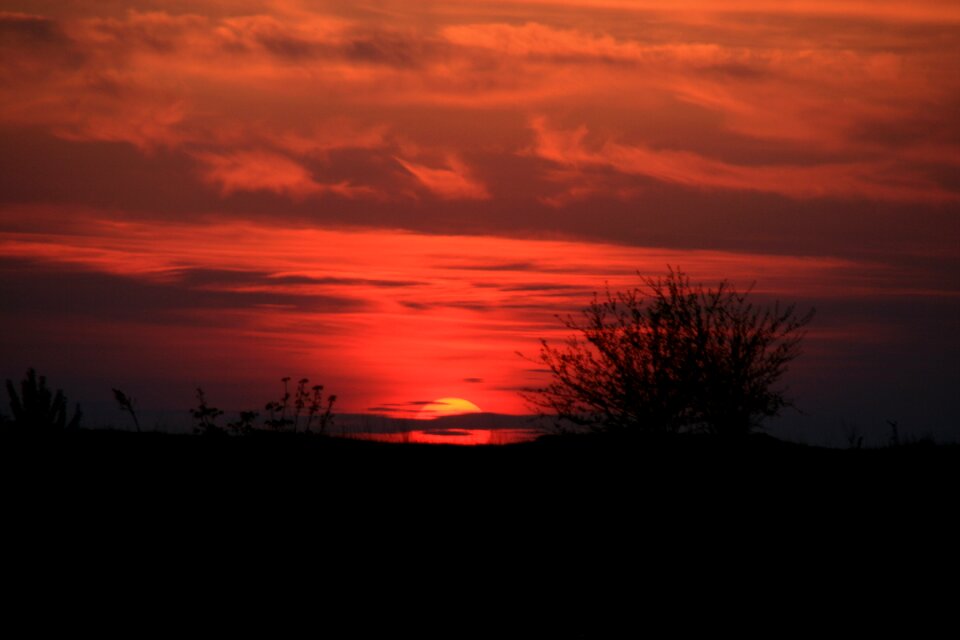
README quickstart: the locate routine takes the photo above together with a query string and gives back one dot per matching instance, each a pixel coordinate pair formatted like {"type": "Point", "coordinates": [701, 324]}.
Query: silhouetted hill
{"type": "Point", "coordinates": [571, 514]}
{"type": "Point", "coordinates": [552, 464]}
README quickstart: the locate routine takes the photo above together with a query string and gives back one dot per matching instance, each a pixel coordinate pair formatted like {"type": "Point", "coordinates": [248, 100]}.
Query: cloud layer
{"type": "Point", "coordinates": [816, 103]}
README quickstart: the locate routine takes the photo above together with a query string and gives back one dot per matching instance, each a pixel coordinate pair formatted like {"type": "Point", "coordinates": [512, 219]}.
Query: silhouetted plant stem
{"type": "Point", "coordinates": [286, 400]}
{"type": "Point", "coordinates": [299, 402]}
{"type": "Point", "coordinates": [205, 416]}
{"type": "Point", "coordinates": [894, 432]}
{"type": "Point", "coordinates": [314, 405]}
{"type": "Point", "coordinates": [328, 414]}
{"type": "Point", "coordinates": [126, 404]}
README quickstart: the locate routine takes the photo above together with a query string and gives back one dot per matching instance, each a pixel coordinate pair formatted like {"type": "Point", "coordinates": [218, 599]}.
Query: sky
{"type": "Point", "coordinates": [394, 198]}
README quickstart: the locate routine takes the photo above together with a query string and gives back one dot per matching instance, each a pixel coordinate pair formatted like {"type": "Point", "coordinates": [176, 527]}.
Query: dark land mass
{"type": "Point", "coordinates": [561, 466]}
{"type": "Point", "coordinates": [578, 535]}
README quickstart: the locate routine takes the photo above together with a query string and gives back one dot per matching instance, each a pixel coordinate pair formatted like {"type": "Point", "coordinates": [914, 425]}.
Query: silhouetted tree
{"type": "Point", "coordinates": [672, 357]}
{"type": "Point", "coordinates": [37, 408]}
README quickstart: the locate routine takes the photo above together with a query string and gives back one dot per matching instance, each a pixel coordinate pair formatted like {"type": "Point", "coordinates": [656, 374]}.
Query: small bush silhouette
{"type": "Point", "coordinates": [244, 424]}
{"type": "Point", "coordinates": [278, 420]}
{"type": "Point", "coordinates": [38, 409]}
{"type": "Point", "coordinates": [205, 416]}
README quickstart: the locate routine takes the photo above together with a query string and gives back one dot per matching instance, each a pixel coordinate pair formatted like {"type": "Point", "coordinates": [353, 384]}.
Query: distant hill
{"type": "Point", "coordinates": [367, 423]}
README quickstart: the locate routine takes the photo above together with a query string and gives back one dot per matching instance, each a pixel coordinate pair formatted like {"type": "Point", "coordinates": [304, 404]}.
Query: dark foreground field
{"type": "Point", "coordinates": [558, 466]}
{"type": "Point", "coordinates": [567, 537]}
{"type": "Point", "coordinates": [579, 493]}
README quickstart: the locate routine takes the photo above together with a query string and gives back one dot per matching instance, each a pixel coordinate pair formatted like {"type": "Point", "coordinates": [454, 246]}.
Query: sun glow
{"type": "Point", "coordinates": [455, 436]}
{"type": "Point", "coordinates": [447, 407]}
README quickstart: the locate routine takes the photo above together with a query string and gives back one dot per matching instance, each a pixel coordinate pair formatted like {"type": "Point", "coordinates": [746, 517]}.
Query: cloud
{"type": "Point", "coordinates": [147, 127]}
{"type": "Point", "coordinates": [266, 171]}
{"type": "Point", "coordinates": [764, 79]}
{"type": "Point", "coordinates": [337, 133]}
{"type": "Point", "coordinates": [24, 28]}
{"type": "Point", "coordinates": [878, 179]}
{"type": "Point", "coordinates": [156, 32]}
{"type": "Point", "coordinates": [347, 282]}
{"type": "Point", "coordinates": [317, 37]}
{"type": "Point", "coordinates": [34, 49]}
{"type": "Point", "coordinates": [452, 183]}
{"type": "Point", "coordinates": [545, 43]}
{"type": "Point", "coordinates": [494, 266]}
{"type": "Point", "coordinates": [59, 291]}
{"type": "Point", "coordinates": [537, 40]}
{"type": "Point", "coordinates": [923, 10]}
{"type": "Point", "coordinates": [307, 100]}
{"type": "Point", "coordinates": [248, 279]}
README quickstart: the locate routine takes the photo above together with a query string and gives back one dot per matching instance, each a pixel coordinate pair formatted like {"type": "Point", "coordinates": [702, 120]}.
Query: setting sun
{"type": "Point", "coordinates": [447, 407]}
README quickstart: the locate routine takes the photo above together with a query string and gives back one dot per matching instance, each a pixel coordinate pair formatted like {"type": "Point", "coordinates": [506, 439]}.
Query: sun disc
{"type": "Point", "coordinates": [448, 407]}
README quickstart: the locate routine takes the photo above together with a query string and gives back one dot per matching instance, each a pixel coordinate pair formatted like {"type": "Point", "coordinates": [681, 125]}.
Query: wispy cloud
{"type": "Point", "coordinates": [880, 179]}
{"type": "Point", "coordinates": [263, 91]}
{"type": "Point", "coordinates": [266, 171]}
{"type": "Point", "coordinates": [453, 182]}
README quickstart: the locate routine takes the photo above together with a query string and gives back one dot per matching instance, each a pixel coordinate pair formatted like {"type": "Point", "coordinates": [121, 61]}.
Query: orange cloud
{"type": "Point", "coordinates": [452, 183]}
{"type": "Point", "coordinates": [872, 180]}
{"type": "Point", "coordinates": [789, 102]}
{"type": "Point", "coordinates": [148, 127]}
{"type": "Point", "coordinates": [922, 11]}
{"type": "Point", "coordinates": [767, 80]}
{"type": "Point", "coordinates": [535, 39]}
{"type": "Point", "coordinates": [266, 171]}
{"type": "Point", "coordinates": [339, 133]}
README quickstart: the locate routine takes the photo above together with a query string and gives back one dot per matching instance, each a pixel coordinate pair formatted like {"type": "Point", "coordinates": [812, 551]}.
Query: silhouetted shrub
{"type": "Point", "coordinates": [672, 357]}
{"type": "Point", "coordinates": [37, 409]}
{"type": "Point", "coordinates": [277, 409]}
{"type": "Point", "coordinates": [306, 406]}
{"type": "Point", "coordinates": [244, 424]}
{"type": "Point", "coordinates": [205, 417]}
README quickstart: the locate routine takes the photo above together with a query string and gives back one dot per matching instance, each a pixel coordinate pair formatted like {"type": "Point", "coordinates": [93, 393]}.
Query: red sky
{"type": "Point", "coordinates": [393, 198]}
